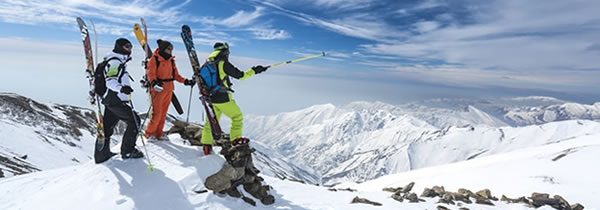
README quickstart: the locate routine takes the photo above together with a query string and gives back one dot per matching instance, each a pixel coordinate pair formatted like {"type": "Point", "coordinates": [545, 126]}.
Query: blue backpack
{"type": "Point", "coordinates": [211, 84]}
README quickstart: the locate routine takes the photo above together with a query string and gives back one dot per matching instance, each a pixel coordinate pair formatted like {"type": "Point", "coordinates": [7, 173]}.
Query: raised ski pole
{"type": "Point", "coordinates": [298, 59]}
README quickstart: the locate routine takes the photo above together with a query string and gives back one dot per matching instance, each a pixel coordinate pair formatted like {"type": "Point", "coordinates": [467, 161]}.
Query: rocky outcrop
{"type": "Point", "coordinates": [365, 201]}
{"type": "Point", "coordinates": [484, 197]}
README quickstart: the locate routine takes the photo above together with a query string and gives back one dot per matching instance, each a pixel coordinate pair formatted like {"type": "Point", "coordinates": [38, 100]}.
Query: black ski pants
{"type": "Point", "coordinates": [112, 115]}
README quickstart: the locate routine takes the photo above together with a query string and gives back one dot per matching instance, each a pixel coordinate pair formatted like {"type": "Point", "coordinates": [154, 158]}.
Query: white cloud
{"type": "Point", "coordinates": [360, 25]}
{"type": "Point", "coordinates": [242, 18]}
{"type": "Point", "coordinates": [426, 26]}
{"type": "Point", "coordinates": [270, 34]}
{"type": "Point", "coordinates": [343, 4]}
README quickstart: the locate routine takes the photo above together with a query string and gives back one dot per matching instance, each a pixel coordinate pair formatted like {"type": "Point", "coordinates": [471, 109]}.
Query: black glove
{"type": "Point", "coordinates": [259, 69]}
{"type": "Point", "coordinates": [126, 89]}
{"type": "Point", "coordinates": [189, 82]}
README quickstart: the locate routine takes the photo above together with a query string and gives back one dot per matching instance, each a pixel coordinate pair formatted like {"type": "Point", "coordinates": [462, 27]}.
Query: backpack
{"type": "Point", "coordinates": [100, 78]}
{"type": "Point", "coordinates": [211, 83]}
{"type": "Point", "coordinates": [144, 81]}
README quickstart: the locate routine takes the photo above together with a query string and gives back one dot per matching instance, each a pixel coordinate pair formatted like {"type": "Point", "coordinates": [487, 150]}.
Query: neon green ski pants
{"type": "Point", "coordinates": [231, 110]}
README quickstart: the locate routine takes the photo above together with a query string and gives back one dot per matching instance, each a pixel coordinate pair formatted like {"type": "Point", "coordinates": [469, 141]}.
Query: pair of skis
{"type": "Point", "coordinates": [89, 71]}
{"type": "Point", "coordinates": [141, 34]}
{"type": "Point", "coordinates": [186, 35]}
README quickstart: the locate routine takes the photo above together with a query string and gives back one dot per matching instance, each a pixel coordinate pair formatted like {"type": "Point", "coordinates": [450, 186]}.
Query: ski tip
{"type": "Point", "coordinates": [80, 21]}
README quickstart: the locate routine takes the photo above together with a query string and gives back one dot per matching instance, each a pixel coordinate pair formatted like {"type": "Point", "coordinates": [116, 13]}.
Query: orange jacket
{"type": "Point", "coordinates": [167, 71]}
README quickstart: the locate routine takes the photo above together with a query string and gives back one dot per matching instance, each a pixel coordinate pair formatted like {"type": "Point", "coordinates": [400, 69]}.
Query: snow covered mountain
{"type": "Point", "coordinates": [519, 111]}
{"type": "Point", "coordinates": [38, 136]}
{"type": "Point", "coordinates": [565, 168]}
{"type": "Point", "coordinates": [362, 141]}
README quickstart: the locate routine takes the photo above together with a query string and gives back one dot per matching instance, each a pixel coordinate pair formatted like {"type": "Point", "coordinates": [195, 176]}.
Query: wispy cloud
{"type": "Point", "coordinates": [240, 18]}
{"type": "Point", "coordinates": [360, 25]}
{"type": "Point", "coordinates": [343, 4]}
{"type": "Point", "coordinates": [270, 34]}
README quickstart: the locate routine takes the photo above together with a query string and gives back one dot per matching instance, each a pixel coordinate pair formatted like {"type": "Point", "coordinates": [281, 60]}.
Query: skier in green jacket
{"type": "Point", "coordinates": [223, 102]}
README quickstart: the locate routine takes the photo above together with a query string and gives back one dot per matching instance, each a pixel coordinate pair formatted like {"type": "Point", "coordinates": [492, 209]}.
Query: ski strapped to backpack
{"type": "Point", "coordinates": [186, 35]}
{"type": "Point", "coordinates": [142, 37]}
{"type": "Point", "coordinates": [94, 99]}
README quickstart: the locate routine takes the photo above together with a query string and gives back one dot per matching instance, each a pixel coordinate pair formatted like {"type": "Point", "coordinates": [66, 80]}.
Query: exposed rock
{"type": "Point", "coordinates": [408, 187]}
{"type": "Point", "coordinates": [466, 193]}
{"type": "Point", "coordinates": [392, 189]}
{"type": "Point", "coordinates": [486, 193]}
{"type": "Point", "coordinates": [440, 207]}
{"type": "Point", "coordinates": [447, 199]}
{"type": "Point", "coordinates": [397, 197]}
{"type": "Point", "coordinates": [439, 191]}
{"type": "Point", "coordinates": [399, 190]}
{"type": "Point", "coordinates": [458, 197]}
{"type": "Point", "coordinates": [577, 206]}
{"type": "Point", "coordinates": [188, 131]}
{"type": "Point", "coordinates": [463, 208]}
{"type": "Point", "coordinates": [563, 204]}
{"type": "Point", "coordinates": [521, 199]}
{"type": "Point", "coordinates": [539, 195]}
{"type": "Point", "coordinates": [480, 200]}
{"type": "Point", "coordinates": [342, 189]}
{"type": "Point", "coordinates": [411, 197]}
{"type": "Point", "coordinates": [428, 193]}
{"type": "Point", "coordinates": [541, 199]}
{"type": "Point", "coordinates": [365, 201]}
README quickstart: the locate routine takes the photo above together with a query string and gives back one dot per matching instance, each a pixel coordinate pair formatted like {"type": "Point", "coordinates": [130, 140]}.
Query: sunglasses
{"type": "Point", "coordinates": [128, 46]}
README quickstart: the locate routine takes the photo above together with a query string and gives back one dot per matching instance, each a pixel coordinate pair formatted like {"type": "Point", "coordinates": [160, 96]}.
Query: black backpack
{"type": "Point", "coordinates": [99, 78]}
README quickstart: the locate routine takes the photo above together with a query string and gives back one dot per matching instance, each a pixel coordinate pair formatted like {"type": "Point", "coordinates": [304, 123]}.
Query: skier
{"type": "Point", "coordinates": [223, 102]}
{"type": "Point", "coordinates": [116, 102]}
{"type": "Point", "coordinates": [161, 71]}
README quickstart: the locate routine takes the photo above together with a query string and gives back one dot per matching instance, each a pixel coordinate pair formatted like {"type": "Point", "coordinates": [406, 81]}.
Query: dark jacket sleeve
{"type": "Point", "coordinates": [232, 71]}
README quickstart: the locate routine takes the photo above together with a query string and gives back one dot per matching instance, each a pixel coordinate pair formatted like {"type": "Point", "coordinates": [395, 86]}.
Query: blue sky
{"type": "Point", "coordinates": [387, 50]}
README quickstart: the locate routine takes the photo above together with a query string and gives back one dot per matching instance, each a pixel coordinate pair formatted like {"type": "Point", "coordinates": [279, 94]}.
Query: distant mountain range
{"type": "Point", "coordinates": [365, 140]}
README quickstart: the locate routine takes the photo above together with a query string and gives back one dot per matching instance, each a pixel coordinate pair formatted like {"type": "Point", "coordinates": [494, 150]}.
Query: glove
{"type": "Point", "coordinates": [207, 149]}
{"type": "Point", "coordinates": [259, 69]}
{"type": "Point", "coordinates": [126, 90]}
{"type": "Point", "coordinates": [157, 85]}
{"type": "Point", "coordinates": [189, 82]}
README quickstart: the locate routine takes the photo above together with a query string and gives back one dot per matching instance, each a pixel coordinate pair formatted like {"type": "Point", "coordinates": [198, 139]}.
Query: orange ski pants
{"type": "Point", "coordinates": [160, 107]}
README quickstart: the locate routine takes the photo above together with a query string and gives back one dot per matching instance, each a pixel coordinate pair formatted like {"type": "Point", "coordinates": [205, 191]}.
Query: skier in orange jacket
{"type": "Point", "coordinates": [161, 72]}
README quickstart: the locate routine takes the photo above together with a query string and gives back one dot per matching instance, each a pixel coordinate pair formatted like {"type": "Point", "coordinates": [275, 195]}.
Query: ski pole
{"type": "Point", "coordinates": [298, 59]}
{"type": "Point", "coordinates": [187, 118]}
{"type": "Point", "coordinates": [147, 156]}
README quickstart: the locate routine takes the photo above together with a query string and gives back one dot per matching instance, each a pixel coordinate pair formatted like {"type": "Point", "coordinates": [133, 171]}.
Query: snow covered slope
{"type": "Point", "coordinates": [359, 142]}
{"type": "Point", "coordinates": [127, 184]}
{"type": "Point", "coordinates": [567, 168]}
{"type": "Point", "coordinates": [37, 136]}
